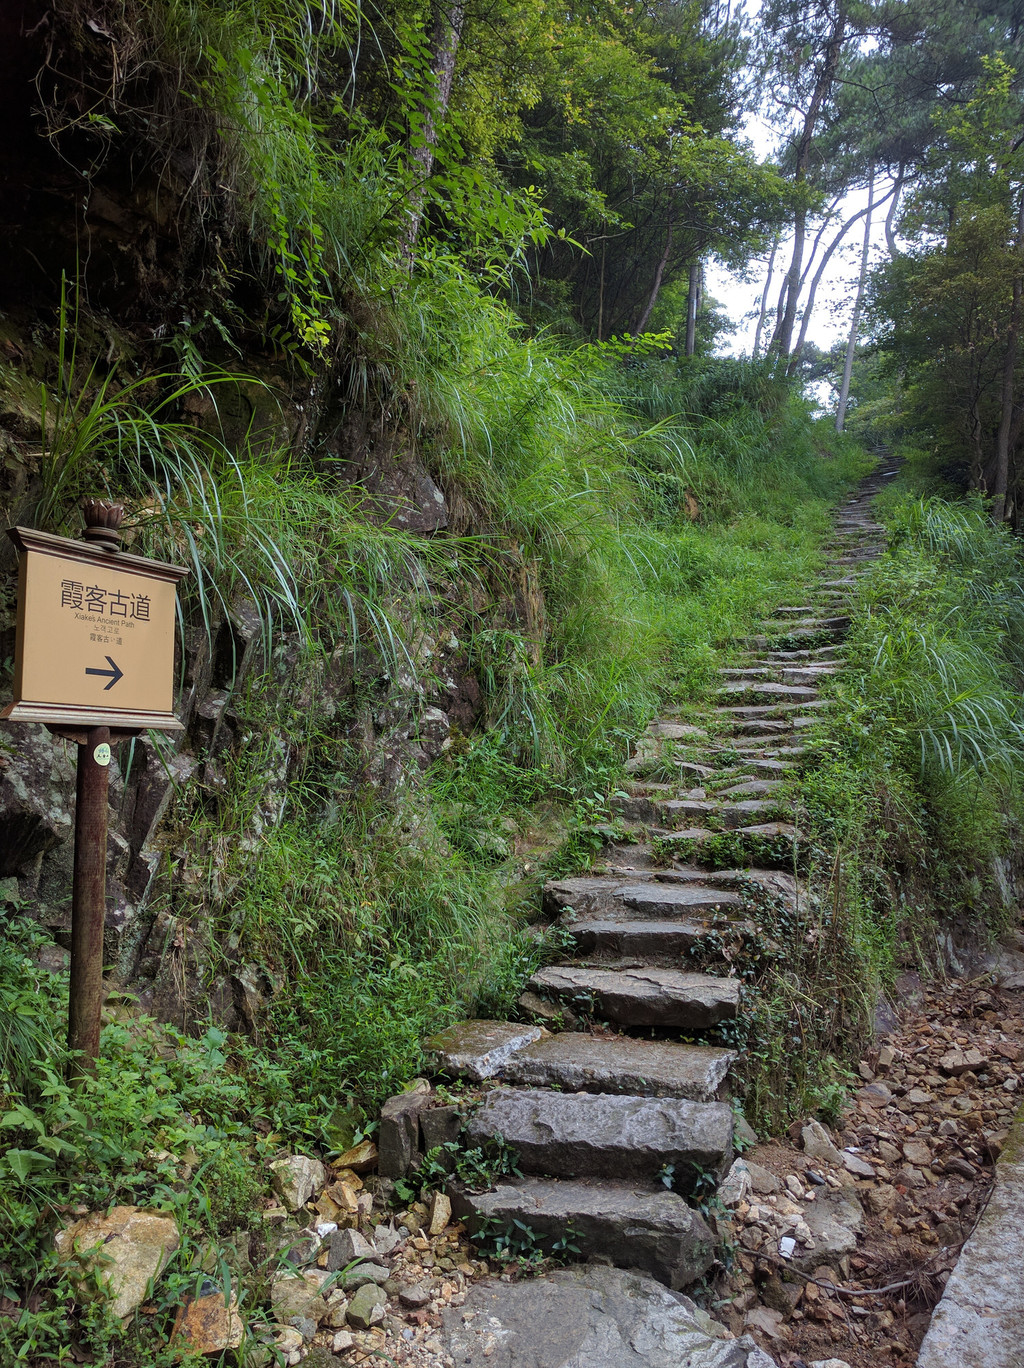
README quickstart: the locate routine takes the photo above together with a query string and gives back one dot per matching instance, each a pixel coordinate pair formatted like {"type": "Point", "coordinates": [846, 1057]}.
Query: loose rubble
{"type": "Point", "coordinates": [929, 1135]}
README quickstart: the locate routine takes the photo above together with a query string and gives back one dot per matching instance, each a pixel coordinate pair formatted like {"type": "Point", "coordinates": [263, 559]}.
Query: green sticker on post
{"type": "Point", "coordinates": [102, 754]}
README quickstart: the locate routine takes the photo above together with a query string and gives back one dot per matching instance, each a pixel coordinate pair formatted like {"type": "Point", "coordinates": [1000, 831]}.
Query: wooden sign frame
{"type": "Point", "coordinates": [94, 561]}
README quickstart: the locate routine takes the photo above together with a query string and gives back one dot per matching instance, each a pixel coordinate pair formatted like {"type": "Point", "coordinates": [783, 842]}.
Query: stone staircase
{"type": "Point", "coordinates": [658, 933]}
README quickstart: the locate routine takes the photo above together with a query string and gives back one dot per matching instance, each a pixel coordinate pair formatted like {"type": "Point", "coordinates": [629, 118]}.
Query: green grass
{"type": "Point", "coordinates": [585, 591]}
{"type": "Point", "coordinates": [913, 802]}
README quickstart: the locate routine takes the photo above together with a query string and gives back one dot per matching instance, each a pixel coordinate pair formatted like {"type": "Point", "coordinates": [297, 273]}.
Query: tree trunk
{"type": "Point", "coordinates": [1001, 482]}
{"type": "Point", "coordinates": [656, 287]}
{"type": "Point", "coordinates": [890, 237]}
{"type": "Point", "coordinates": [1001, 478]}
{"type": "Point", "coordinates": [783, 338]}
{"type": "Point", "coordinates": [851, 345]}
{"type": "Point", "coordinates": [448, 20]}
{"type": "Point", "coordinates": [763, 312]}
{"type": "Point", "coordinates": [816, 281]}
{"type": "Point", "coordinates": [978, 480]}
{"type": "Point", "coordinates": [600, 293]}
{"type": "Point", "coordinates": [692, 305]}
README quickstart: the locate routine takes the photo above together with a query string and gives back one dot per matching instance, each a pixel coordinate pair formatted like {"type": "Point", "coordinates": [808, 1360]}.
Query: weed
{"type": "Point", "coordinates": [516, 1243]}
{"type": "Point", "coordinates": [477, 1169]}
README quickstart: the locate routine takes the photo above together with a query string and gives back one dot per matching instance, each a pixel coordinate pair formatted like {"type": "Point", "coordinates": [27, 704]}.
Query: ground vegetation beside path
{"type": "Point", "coordinates": [537, 668]}
{"type": "Point", "coordinates": [837, 1236]}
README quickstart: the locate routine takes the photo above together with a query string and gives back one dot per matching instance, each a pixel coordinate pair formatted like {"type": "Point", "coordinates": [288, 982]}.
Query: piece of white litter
{"type": "Point", "coordinates": [325, 1228]}
{"type": "Point", "coordinates": [787, 1246]}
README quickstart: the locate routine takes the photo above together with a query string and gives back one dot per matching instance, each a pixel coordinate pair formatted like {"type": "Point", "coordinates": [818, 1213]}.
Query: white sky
{"type": "Point", "coordinates": [740, 295]}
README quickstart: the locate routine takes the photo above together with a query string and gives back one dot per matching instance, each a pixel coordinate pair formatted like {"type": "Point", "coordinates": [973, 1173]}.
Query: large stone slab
{"type": "Point", "coordinates": [671, 811]}
{"type": "Point", "coordinates": [748, 810]}
{"type": "Point", "coordinates": [125, 1250]}
{"type": "Point", "coordinates": [643, 997]}
{"type": "Point", "coordinates": [676, 731]}
{"type": "Point", "coordinates": [767, 689]}
{"type": "Point", "coordinates": [589, 1317]}
{"type": "Point", "coordinates": [478, 1049]}
{"type": "Point", "coordinates": [761, 728]}
{"type": "Point", "coordinates": [752, 788]}
{"type": "Point", "coordinates": [664, 942]}
{"type": "Point", "coordinates": [593, 894]}
{"type": "Point", "coordinates": [574, 1135]}
{"type": "Point", "coordinates": [634, 1225]}
{"type": "Point", "coordinates": [656, 899]}
{"type": "Point", "coordinates": [576, 1062]}
{"type": "Point", "coordinates": [979, 1323]}
{"type": "Point", "coordinates": [822, 624]}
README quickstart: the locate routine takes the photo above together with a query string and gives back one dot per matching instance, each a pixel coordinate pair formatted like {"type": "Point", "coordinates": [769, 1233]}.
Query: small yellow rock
{"type": "Point", "coordinates": [440, 1213]}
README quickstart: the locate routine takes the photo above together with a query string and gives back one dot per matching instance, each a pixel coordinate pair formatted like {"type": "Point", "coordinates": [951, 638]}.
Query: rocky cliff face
{"type": "Point", "coordinates": [392, 725]}
{"type": "Point", "coordinates": [138, 217]}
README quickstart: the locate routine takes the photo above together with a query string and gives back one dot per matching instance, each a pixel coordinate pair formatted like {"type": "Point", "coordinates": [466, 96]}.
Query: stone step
{"type": "Point", "coordinates": [600, 1135]}
{"type": "Point", "coordinates": [763, 765]}
{"type": "Point", "coordinates": [646, 899]}
{"type": "Point", "coordinates": [813, 624]}
{"type": "Point", "coordinates": [727, 878]}
{"type": "Point", "coordinates": [478, 1049]}
{"type": "Point", "coordinates": [753, 788]}
{"type": "Point", "coordinates": [761, 727]}
{"type": "Point", "coordinates": [779, 710]}
{"type": "Point", "coordinates": [591, 1316]}
{"type": "Point", "coordinates": [658, 942]}
{"type": "Point", "coordinates": [817, 654]}
{"type": "Point", "coordinates": [647, 809]}
{"type": "Point", "coordinates": [669, 814]}
{"type": "Point", "coordinates": [631, 1225]}
{"type": "Point", "coordinates": [762, 670]}
{"type": "Point", "coordinates": [676, 731]}
{"type": "Point", "coordinates": [768, 752]}
{"type": "Point", "coordinates": [577, 1062]}
{"type": "Point", "coordinates": [766, 689]}
{"type": "Point", "coordinates": [751, 810]}
{"type": "Point", "coordinates": [646, 764]}
{"type": "Point", "coordinates": [767, 844]}
{"type": "Point", "coordinates": [797, 632]}
{"type": "Point", "coordinates": [642, 997]}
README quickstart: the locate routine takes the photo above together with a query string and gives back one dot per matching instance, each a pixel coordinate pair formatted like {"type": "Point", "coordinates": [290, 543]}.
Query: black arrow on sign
{"type": "Point", "coordinates": [114, 674]}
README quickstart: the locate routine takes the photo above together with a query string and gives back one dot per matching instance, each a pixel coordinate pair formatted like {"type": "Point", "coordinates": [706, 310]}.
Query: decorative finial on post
{"type": "Point", "coordinates": [102, 520]}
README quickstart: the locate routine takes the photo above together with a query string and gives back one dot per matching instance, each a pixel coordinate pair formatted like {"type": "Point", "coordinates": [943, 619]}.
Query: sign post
{"type": "Point", "coordinates": [94, 661]}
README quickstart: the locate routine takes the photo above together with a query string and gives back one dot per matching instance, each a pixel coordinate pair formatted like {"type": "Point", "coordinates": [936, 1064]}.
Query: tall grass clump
{"type": "Point", "coordinates": [910, 811]}
{"type": "Point", "coordinates": [917, 787]}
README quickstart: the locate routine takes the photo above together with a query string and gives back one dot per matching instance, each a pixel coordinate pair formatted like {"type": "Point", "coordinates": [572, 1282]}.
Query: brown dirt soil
{"type": "Point", "coordinates": [939, 1093]}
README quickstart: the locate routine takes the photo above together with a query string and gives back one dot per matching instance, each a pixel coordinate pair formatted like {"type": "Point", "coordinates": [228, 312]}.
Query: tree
{"type": "Point", "coordinates": [951, 308]}
{"type": "Point", "coordinates": [632, 139]}
{"type": "Point", "coordinates": [858, 304]}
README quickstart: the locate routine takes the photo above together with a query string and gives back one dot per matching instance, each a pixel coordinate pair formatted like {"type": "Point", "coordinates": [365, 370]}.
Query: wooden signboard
{"type": "Point", "coordinates": [95, 661]}
{"type": "Point", "coordinates": [95, 640]}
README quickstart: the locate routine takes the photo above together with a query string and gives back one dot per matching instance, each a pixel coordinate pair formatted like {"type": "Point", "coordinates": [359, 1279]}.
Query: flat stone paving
{"type": "Point", "coordinates": [644, 997]}
{"type": "Point", "coordinates": [589, 1317]}
{"type": "Point", "coordinates": [642, 1226]}
{"type": "Point", "coordinates": [600, 1135]}
{"type": "Point", "coordinates": [479, 1049]}
{"type": "Point", "coordinates": [979, 1322]}
{"type": "Point", "coordinates": [585, 1063]}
